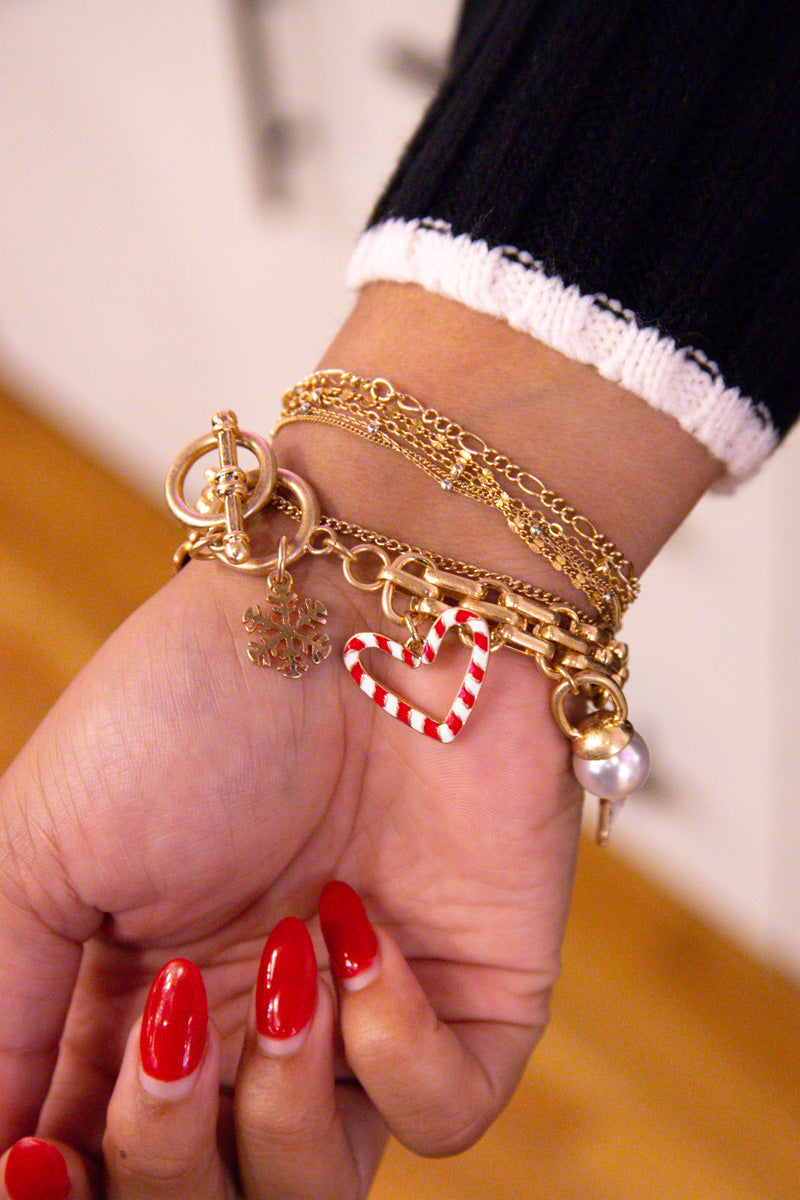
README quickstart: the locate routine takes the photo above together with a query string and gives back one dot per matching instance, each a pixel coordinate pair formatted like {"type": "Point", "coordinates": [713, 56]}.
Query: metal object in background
{"type": "Point", "coordinates": [412, 65]}
{"type": "Point", "coordinates": [282, 131]}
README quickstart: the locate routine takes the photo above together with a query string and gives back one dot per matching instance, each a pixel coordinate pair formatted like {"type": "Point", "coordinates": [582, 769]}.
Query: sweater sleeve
{"type": "Point", "coordinates": [619, 179]}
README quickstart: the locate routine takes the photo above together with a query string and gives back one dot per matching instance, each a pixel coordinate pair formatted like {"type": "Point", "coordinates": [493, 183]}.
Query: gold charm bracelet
{"type": "Point", "coordinates": [488, 611]}
{"type": "Point", "coordinates": [463, 463]}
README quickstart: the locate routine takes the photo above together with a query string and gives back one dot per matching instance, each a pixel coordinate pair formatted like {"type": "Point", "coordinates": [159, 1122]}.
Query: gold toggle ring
{"type": "Point", "coordinates": [295, 547]}
{"type": "Point", "coordinates": [586, 679]}
{"type": "Point", "coordinates": [262, 490]}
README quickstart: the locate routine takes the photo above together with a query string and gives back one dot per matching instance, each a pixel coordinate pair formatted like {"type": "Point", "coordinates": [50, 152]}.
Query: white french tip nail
{"type": "Point", "coordinates": [281, 1047]}
{"type": "Point", "coordinates": [364, 978]}
{"type": "Point", "coordinates": [170, 1090]}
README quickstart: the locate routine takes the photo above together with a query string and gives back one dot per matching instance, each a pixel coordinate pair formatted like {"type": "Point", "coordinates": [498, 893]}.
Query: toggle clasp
{"type": "Point", "coordinates": [224, 526]}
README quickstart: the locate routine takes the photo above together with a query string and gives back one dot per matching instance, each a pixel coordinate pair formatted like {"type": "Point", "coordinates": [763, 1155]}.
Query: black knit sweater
{"type": "Point", "coordinates": [620, 179]}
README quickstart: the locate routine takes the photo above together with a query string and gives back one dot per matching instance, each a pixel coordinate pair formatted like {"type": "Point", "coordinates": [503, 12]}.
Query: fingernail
{"type": "Point", "coordinates": [286, 991]}
{"type": "Point", "coordinates": [349, 936]}
{"type": "Point", "coordinates": [174, 1031]}
{"type": "Point", "coordinates": [36, 1170]}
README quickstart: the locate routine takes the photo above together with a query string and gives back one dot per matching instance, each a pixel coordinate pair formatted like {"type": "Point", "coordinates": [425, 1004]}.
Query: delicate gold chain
{"type": "Point", "coordinates": [540, 534]}
{"type": "Point", "coordinates": [393, 546]}
{"type": "Point", "coordinates": [461, 461]}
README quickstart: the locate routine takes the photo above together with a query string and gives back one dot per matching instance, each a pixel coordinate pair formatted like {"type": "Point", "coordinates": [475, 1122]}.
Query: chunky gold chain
{"type": "Point", "coordinates": [462, 462]}
{"type": "Point", "coordinates": [521, 616]}
{"type": "Point", "coordinates": [559, 640]}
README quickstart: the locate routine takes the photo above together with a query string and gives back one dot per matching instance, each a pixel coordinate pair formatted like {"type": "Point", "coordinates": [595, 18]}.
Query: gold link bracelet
{"type": "Point", "coordinates": [489, 611]}
{"type": "Point", "coordinates": [462, 462]}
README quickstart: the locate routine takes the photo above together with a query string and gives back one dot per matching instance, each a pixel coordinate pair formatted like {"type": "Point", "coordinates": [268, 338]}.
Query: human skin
{"type": "Point", "coordinates": [177, 801]}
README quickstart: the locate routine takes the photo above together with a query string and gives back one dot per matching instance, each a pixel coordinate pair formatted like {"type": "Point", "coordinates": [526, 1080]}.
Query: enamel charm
{"type": "Point", "coordinates": [401, 710]}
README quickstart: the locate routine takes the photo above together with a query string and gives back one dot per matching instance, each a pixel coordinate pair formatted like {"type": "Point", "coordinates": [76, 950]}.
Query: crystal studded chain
{"type": "Point", "coordinates": [462, 462]}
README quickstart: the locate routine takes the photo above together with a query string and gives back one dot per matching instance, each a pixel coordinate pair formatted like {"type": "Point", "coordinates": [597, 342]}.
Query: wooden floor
{"type": "Point", "coordinates": [672, 1067]}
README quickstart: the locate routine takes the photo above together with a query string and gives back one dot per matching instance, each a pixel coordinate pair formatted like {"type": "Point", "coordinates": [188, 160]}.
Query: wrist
{"type": "Point", "coordinates": [631, 470]}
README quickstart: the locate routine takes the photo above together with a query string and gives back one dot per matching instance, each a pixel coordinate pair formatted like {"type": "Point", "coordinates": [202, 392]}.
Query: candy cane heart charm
{"type": "Point", "coordinates": [415, 718]}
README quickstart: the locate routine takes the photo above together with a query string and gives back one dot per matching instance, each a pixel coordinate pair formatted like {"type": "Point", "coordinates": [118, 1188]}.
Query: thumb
{"type": "Point", "coordinates": [37, 974]}
{"type": "Point", "coordinates": [40, 950]}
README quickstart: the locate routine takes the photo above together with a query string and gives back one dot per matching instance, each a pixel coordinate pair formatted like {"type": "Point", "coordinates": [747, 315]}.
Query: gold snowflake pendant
{"type": "Point", "coordinates": [288, 630]}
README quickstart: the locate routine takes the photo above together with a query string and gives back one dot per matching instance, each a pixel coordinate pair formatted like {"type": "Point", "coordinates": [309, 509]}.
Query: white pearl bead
{"type": "Point", "coordinates": [616, 777]}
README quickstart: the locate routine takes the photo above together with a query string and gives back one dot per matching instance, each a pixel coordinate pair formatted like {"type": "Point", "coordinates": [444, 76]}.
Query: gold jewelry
{"type": "Point", "coordinates": [288, 636]}
{"type": "Point", "coordinates": [462, 462]}
{"type": "Point", "coordinates": [489, 612]}
{"type": "Point", "coordinates": [230, 484]}
{"type": "Point", "coordinates": [522, 617]}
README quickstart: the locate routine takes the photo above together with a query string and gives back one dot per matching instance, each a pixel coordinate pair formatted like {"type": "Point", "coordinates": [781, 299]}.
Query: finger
{"type": "Point", "coordinates": [160, 1138]}
{"type": "Point", "coordinates": [292, 1141]}
{"type": "Point", "coordinates": [437, 1090]}
{"type": "Point", "coordinates": [38, 969]}
{"type": "Point", "coordinates": [35, 1169]}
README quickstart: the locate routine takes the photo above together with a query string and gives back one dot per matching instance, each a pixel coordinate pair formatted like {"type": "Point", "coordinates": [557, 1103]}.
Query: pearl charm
{"type": "Point", "coordinates": [609, 759]}
{"type": "Point", "coordinates": [616, 777]}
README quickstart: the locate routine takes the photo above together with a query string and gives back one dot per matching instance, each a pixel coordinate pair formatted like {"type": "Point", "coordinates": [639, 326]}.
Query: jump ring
{"type": "Point", "coordinates": [280, 571]}
{"type": "Point", "coordinates": [325, 537]}
{"type": "Point", "coordinates": [381, 390]}
{"type": "Point", "coordinates": [355, 552]}
{"type": "Point", "coordinates": [586, 679]}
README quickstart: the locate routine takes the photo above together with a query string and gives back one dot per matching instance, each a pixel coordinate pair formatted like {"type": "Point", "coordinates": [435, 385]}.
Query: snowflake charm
{"type": "Point", "coordinates": [289, 636]}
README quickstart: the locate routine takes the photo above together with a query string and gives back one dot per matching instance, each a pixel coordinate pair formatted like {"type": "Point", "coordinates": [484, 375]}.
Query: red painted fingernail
{"type": "Point", "coordinates": [175, 1022]}
{"type": "Point", "coordinates": [349, 936]}
{"type": "Point", "coordinates": [35, 1170]}
{"type": "Point", "coordinates": [286, 992]}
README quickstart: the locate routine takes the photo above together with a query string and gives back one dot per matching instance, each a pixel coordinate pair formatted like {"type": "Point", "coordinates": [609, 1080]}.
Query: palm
{"type": "Point", "coordinates": [198, 800]}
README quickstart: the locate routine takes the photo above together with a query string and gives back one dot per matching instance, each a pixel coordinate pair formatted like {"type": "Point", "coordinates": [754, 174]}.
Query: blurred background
{"type": "Point", "coordinates": [182, 181]}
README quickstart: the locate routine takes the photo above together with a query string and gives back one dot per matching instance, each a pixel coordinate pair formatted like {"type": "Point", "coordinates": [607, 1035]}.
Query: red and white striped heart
{"type": "Point", "coordinates": [415, 718]}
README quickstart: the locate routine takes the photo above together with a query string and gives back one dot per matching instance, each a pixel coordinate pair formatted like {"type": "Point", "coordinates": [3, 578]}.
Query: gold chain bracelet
{"type": "Point", "coordinates": [489, 612]}
{"type": "Point", "coordinates": [520, 617]}
{"type": "Point", "coordinates": [462, 462]}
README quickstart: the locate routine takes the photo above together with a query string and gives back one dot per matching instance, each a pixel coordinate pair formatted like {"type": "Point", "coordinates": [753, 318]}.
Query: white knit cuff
{"type": "Point", "coordinates": [592, 329]}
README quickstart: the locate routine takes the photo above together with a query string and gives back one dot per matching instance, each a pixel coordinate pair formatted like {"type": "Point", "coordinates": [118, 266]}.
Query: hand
{"type": "Point", "coordinates": [179, 800]}
{"type": "Point", "coordinates": [295, 1136]}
